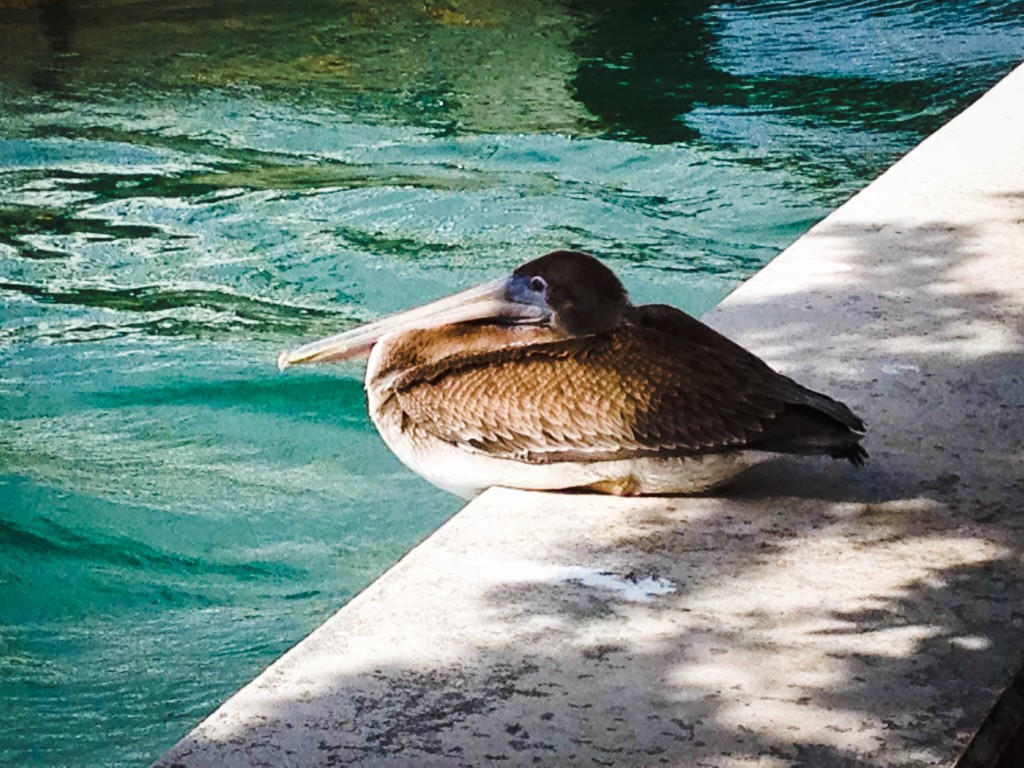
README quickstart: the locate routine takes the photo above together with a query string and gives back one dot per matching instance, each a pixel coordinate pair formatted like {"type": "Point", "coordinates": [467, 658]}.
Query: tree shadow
{"type": "Point", "coordinates": [816, 615]}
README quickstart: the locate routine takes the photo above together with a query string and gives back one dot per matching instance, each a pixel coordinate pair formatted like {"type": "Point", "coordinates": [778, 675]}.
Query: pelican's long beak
{"type": "Point", "coordinates": [489, 301]}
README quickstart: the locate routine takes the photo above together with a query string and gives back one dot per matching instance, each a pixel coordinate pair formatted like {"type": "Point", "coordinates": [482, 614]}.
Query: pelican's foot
{"type": "Point", "coordinates": [616, 486]}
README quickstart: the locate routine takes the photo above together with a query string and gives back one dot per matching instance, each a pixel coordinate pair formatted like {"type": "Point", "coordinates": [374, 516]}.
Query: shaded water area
{"type": "Point", "coordinates": [186, 188]}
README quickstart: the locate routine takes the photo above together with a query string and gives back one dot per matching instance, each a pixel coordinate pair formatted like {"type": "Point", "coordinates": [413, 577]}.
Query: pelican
{"type": "Point", "coordinates": [550, 379]}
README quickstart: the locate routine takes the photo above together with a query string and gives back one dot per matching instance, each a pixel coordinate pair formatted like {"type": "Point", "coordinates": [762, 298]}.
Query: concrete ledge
{"type": "Point", "coordinates": [818, 616]}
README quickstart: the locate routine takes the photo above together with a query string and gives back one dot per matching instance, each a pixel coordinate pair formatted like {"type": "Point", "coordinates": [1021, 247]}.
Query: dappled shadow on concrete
{"type": "Point", "coordinates": [820, 615]}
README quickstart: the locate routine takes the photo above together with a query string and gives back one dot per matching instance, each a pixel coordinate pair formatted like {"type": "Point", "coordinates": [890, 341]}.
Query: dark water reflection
{"type": "Point", "coordinates": [187, 187]}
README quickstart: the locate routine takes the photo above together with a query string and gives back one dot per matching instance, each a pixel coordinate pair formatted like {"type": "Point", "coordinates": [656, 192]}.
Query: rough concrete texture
{"type": "Point", "coordinates": [817, 615]}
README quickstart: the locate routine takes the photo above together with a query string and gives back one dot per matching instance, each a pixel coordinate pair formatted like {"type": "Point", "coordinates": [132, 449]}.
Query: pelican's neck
{"type": "Point", "coordinates": [398, 354]}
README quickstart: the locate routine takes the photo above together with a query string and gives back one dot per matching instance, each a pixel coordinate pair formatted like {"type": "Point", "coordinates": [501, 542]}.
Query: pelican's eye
{"type": "Point", "coordinates": [538, 284]}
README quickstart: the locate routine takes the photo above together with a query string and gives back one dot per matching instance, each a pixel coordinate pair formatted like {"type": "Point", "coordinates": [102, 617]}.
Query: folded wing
{"type": "Point", "coordinates": [664, 385]}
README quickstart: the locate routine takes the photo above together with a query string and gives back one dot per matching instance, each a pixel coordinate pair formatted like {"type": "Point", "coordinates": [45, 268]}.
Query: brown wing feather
{"type": "Point", "coordinates": [678, 324]}
{"type": "Point", "coordinates": [639, 390]}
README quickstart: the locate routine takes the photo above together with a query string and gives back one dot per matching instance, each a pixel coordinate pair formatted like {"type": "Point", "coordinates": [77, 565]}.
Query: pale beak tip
{"type": "Point", "coordinates": [283, 363]}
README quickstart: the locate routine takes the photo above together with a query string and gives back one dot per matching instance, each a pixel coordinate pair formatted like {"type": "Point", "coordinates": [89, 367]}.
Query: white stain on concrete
{"type": "Point", "coordinates": [898, 369]}
{"type": "Point", "coordinates": [628, 588]}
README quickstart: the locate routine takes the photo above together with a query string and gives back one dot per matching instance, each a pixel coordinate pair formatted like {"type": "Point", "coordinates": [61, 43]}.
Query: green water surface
{"type": "Point", "coordinates": [187, 188]}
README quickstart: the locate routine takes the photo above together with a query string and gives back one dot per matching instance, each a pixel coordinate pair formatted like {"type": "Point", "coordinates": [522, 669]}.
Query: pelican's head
{"type": "Point", "coordinates": [570, 292]}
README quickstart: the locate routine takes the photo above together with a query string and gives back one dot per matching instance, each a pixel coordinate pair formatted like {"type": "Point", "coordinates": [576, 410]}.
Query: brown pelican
{"type": "Point", "coordinates": [551, 379]}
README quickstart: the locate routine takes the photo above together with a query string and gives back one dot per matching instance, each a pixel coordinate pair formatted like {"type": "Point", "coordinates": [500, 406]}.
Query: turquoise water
{"type": "Point", "coordinates": [185, 189]}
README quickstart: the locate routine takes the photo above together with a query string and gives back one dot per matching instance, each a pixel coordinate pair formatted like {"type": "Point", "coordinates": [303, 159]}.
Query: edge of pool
{"type": "Point", "coordinates": [817, 615]}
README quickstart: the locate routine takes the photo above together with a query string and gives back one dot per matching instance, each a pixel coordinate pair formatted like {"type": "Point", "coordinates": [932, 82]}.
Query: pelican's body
{"type": "Point", "coordinates": [552, 380]}
{"type": "Point", "coordinates": [465, 456]}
